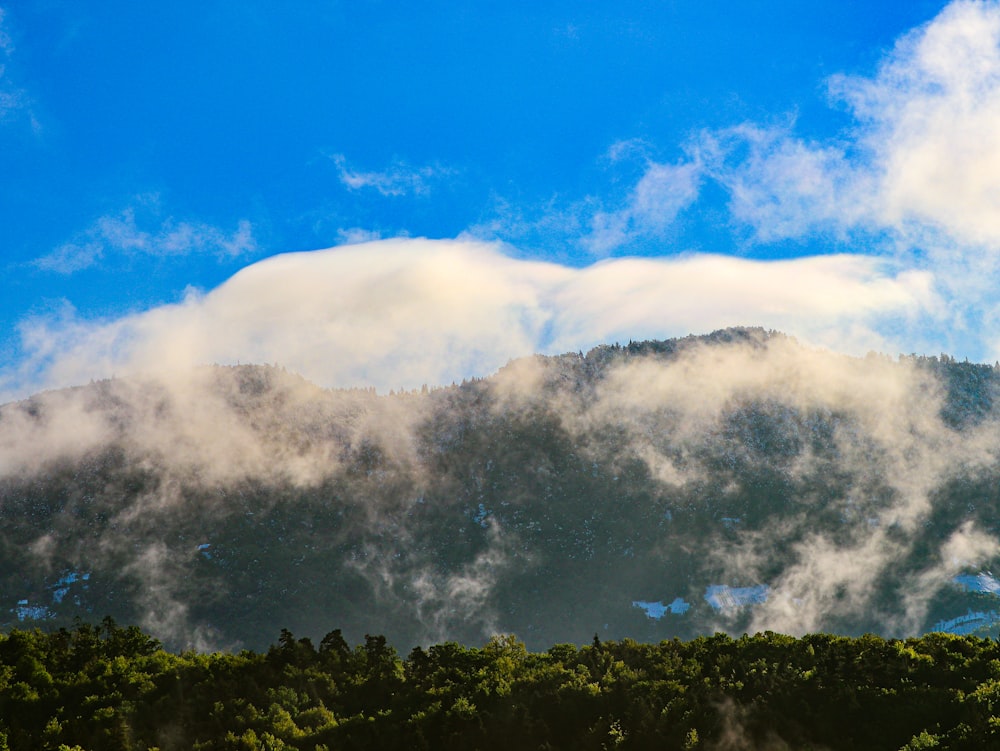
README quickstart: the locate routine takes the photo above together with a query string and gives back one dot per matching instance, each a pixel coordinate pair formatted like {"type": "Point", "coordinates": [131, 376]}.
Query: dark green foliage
{"type": "Point", "coordinates": [111, 688]}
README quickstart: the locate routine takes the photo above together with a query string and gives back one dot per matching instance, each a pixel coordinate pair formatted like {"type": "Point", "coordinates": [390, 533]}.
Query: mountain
{"type": "Point", "coordinates": [735, 481]}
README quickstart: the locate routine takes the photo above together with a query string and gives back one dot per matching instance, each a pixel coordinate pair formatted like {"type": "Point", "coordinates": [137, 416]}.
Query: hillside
{"type": "Point", "coordinates": [728, 482]}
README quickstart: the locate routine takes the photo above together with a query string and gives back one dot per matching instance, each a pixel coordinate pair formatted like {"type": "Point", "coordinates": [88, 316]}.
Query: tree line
{"type": "Point", "coordinates": [97, 687]}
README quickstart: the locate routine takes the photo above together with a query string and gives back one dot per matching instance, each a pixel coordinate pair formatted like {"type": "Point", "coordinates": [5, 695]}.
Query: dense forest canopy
{"type": "Point", "coordinates": [108, 688]}
{"type": "Point", "coordinates": [729, 482]}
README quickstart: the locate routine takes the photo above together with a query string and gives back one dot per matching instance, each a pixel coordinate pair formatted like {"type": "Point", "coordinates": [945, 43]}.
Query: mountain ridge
{"type": "Point", "coordinates": [731, 481]}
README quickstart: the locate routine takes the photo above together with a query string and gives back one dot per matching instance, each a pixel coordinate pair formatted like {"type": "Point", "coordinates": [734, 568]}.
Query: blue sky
{"type": "Point", "coordinates": [494, 179]}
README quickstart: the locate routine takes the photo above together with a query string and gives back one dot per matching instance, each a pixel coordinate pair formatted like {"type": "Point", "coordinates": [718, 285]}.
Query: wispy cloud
{"type": "Point", "coordinates": [931, 126]}
{"type": "Point", "coordinates": [405, 312]}
{"type": "Point", "coordinates": [605, 226]}
{"type": "Point", "coordinates": [555, 224]}
{"type": "Point", "coordinates": [399, 179]}
{"type": "Point", "coordinates": [787, 187]}
{"type": "Point", "coordinates": [12, 98]}
{"type": "Point", "coordinates": [917, 176]}
{"type": "Point", "coordinates": [144, 232]}
{"type": "Point", "coordinates": [888, 432]}
{"type": "Point", "coordinates": [922, 162]}
{"type": "Point", "coordinates": [662, 192]}
{"type": "Point", "coordinates": [6, 46]}
{"type": "Point", "coordinates": [355, 235]}
{"type": "Point", "coordinates": [918, 170]}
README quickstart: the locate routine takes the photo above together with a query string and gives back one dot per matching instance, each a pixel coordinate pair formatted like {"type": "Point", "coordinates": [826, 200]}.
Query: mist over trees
{"type": "Point", "coordinates": [736, 481]}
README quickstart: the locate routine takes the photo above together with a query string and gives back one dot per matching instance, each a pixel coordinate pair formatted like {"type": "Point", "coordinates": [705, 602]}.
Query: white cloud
{"type": "Point", "coordinates": [922, 163]}
{"type": "Point", "coordinates": [661, 193]}
{"type": "Point", "coordinates": [916, 177]}
{"type": "Point", "coordinates": [836, 300]}
{"type": "Point", "coordinates": [399, 179]}
{"type": "Point", "coordinates": [404, 312]}
{"type": "Point", "coordinates": [932, 125]}
{"type": "Point", "coordinates": [149, 235]}
{"type": "Point", "coordinates": [786, 187]}
{"type": "Point", "coordinates": [919, 166]}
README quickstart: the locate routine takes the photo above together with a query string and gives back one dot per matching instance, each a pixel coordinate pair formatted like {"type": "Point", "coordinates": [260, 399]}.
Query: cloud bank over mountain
{"type": "Point", "coordinates": [399, 313]}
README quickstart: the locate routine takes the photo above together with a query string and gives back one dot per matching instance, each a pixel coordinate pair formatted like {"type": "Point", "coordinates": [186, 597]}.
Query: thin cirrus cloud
{"type": "Point", "coordinates": [399, 313]}
{"type": "Point", "coordinates": [129, 235]}
{"type": "Point", "coordinates": [12, 98]}
{"type": "Point", "coordinates": [658, 197]}
{"type": "Point", "coordinates": [600, 227]}
{"type": "Point", "coordinates": [399, 179]}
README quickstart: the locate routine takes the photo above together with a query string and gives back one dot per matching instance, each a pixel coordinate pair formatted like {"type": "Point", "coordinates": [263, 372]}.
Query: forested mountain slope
{"type": "Point", "coordinates": [728, 482]}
